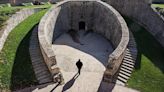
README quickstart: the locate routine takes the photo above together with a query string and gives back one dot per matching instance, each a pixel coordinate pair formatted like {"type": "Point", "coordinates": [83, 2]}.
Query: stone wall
{"type": "Point", "coordinates": [158, 1]}
{"type": "Point", "coordinates": [13, 21]}
{"type": "Point", "coordinates": [18, 2]}
{"type": "Point", "coordinates": [67, 15]}
{"type": "Point", "coordinates": [45, 34]}
{"type": "Point", "coordinates": [142, 13]}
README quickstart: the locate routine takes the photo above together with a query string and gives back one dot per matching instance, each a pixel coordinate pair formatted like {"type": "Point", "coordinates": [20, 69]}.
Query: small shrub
{"type": "Point", "coordinates": [36, 2]}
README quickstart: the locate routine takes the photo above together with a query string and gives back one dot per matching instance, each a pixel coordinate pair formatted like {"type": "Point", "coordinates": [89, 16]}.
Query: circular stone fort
{"type": "Point", "coordinates": [75, 30]}
{"type": "Point", "coordinates": [86, 45]}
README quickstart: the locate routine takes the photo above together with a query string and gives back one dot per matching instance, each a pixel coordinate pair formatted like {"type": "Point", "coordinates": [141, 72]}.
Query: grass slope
{"type": "Point", "coordinates": [4, 15]}
{"type": "Point", "coordinates": [149, 70]}
{"type": "Point", "coordinates": [20, 7]}
{"type": "Point", "coordinates": [16, 69]}
{"type": "Point", "coordinates": [158, 5]}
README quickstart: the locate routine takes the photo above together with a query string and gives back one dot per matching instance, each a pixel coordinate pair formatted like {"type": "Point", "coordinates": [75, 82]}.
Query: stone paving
{"type": "Point", "coordinates": [90, 79]}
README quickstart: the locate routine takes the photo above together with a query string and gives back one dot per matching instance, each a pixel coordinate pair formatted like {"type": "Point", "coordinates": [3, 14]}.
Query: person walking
{"type": "Point", "coordinates": [79, 65]}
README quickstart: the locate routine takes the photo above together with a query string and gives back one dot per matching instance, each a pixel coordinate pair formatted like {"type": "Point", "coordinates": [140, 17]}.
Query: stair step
{"type": "Point", "coordinates": [128, 54]}
{"type": "Point", "coordinates": [127, 59]}
{"type": "Point", "coordinates": [131, 59]}
{"type": "Point", "coordinates": [129, 62]}
{"type": "Point", "coordinates": [123, 76]}
{"type": "Point", "coordinates": [37, 68]}
{"type": "Point", "coordinates": [127, 65]}
{"type": "Point", "coordinates": [134, 49]}
{"type": "Point", "coordinates": [125, 70]}
{"type": "Point", "coordinates": [37, 58]}
{"type": "Point", "coordinates": [35, 43]}
{"type": "Point", "coordinates": [125, 73]}
{"type": "Point", "coordinates": [131, 43]}
{"type": "Point", "coordinates": [36, 55]}
{"type": "Point", "coordinates": [131, 52]}
{"type": "Point", "coordinates": [42, 77]}
{"type": "Point", "coordinates": [39, 65]}
{"type": "Point", "coordinates": [120, 83]}
{"type": "Point", "coordinates": [122, 79]}
{"type": "Point", "coordinates": [46, 80]}
{"type": "Point", "coordinates": [36, 50]}
{"type": "Point", "coordinates": [42, 73]}
{"type": "Point", "coordinates": [37, 62]}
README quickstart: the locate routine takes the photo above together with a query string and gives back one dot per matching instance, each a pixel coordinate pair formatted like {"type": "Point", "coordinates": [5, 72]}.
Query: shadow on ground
{"type": "Point", "coordinates": [22, 72]}
{"type": "Point", "coordinates": [148, 46]}
{"type": "Point", "coordinates": [90, 43]}
{"type": "Point", "coordinates": [70, 83]}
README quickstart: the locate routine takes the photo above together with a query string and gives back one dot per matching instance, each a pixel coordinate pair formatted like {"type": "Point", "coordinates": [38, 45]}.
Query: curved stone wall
{"type": "Point", "coordinates": [13, 21]}
{"type": "Point", "coordinates": [67, 15]}
{"type": "Point", "coordinates": [142, 13]}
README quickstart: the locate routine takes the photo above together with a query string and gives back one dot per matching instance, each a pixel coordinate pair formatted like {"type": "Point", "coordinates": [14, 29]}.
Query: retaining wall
{"type": "Point", "coordinates": [142, 13]}
{"type": "Point", "coordinates": [45, 34]}
{"type": "Point", "coordinates": [13, 21]}
{"type": "Point", "coordinates": [18, 2]}
{"type": "Point", "coordinates": [67, 14]}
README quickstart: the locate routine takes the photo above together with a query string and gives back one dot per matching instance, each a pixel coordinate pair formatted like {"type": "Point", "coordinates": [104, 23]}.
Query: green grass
{"type": "Point", "coordinates": [158, 5]}
{"type": "Point", "coordinates": [149, 70]}
{"type": "Point", "coordinates": [15, 67]}
{"type": "Point", "coordinates": [4, 15]}
{"type": "Point", "coordinates": [20, 7]}
{"type": "Point", "coordinates": [6, 12]}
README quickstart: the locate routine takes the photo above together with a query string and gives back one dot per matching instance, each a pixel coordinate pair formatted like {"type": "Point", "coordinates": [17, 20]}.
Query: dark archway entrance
{"type": "Point", "coordinates": [81, 25]}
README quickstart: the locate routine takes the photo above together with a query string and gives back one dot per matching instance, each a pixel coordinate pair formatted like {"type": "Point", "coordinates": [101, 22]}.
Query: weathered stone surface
{"type": "Point", "coordinates": [13, 21]}
{"type": "Point", "coordinates": [67, 14]}
{"type": "Point", "coordinates": [143, 14]}
{"type": "Point", "coordinates": [41, 71]}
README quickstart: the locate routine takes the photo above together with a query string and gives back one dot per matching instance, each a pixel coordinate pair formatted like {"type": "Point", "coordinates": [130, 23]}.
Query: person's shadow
{"type": "Point", "coordinates": [70, 83]}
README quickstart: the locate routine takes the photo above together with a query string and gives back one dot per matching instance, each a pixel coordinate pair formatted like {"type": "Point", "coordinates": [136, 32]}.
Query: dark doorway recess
{"type": "Point", "coordinates": [81, 25]}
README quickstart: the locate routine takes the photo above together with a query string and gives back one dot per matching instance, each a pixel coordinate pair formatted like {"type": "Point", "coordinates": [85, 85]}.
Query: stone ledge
{"type": "Point", "coordinates": [13, 21]}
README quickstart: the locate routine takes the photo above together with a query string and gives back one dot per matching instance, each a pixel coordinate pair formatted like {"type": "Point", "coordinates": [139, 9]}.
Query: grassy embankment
{"type": "Point", "coordinates": [149, 70]}
{"type": "Point", "coordinates": [15, 67]}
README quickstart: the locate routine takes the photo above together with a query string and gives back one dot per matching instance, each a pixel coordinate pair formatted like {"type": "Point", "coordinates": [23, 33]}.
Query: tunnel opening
{"type": "Point", "coordinates": [81, 25]}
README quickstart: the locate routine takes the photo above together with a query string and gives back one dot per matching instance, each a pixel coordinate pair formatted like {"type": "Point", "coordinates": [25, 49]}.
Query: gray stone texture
{"type": "Point", "coordinates": [97, 15]}
{"type": "Point", "coordinates": [18, 2]}
{"type": "Point", "coordinates": [142, 13]}
{"type": "Point", "coordinates": [13, 21]}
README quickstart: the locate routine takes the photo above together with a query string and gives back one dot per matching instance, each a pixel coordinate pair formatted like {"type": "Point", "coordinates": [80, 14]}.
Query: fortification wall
{"type": "Point", "coordinates": [142, 13]}
{"type": "Point", "coordinates": [18, 2]}
{"type": "Point", "coordinates": [67, 15]}
{"type": "Point", "coordinates": [13, 21]}
{"type": "Point", "coordinates": [45, 34]}
{"type": "Point", "coordinates": [92, 14]}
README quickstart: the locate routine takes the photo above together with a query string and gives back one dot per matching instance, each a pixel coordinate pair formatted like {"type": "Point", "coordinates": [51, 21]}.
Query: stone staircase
{"type": "Point", "coordinates": [43, 75]}
{"type": "Point", "coordinates": [41, 71]}
{"type": "Point", "coordinates": [128, 62]}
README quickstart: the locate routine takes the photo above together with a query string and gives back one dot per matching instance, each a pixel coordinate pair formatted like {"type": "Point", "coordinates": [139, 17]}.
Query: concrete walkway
{"type": "Point", "coordinates": [105, 87]}
{"type": "Point", "coordinates": [93, 54]}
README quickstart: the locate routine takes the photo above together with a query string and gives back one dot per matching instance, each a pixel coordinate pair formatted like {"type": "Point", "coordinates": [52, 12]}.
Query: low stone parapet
{"type": "Point", "coordinates": [13, 21]}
